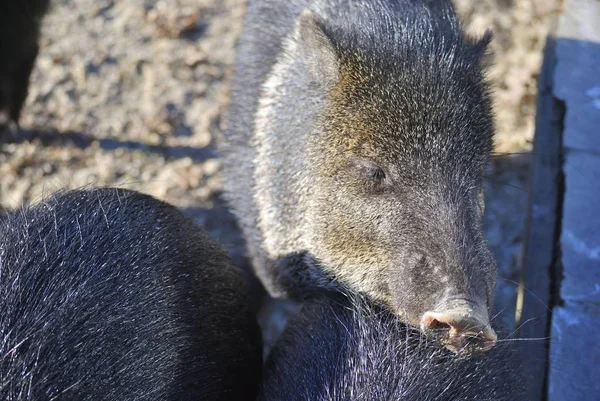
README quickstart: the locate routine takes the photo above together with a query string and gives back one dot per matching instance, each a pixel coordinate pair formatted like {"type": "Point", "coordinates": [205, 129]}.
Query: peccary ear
{"type": "Point", "coordinates": [482, 48]}
{"type": "Point", "coordinates": [317, 49]}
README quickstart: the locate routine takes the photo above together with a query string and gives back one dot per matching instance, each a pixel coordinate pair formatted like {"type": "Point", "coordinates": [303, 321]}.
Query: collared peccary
{"type": "Point", "coordinates": [19, 31]}
{"type": "Point", "coordinates": [346, 349]}
{"type": "Point", "coordinates": [113, 295]}
{"type": "Point", "coordinates": [358, 136]}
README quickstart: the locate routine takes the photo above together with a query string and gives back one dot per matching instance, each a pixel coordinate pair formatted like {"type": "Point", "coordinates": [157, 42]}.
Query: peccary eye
{"type": "Point", "coordinates": [370, 170]}
{"type": "Point", "coordinates": [374, 173]}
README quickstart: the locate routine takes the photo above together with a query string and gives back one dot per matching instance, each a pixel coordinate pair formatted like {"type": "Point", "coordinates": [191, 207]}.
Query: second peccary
{"type": "Point", "coordinates": [346, 349]}
{"type": "Point", "coordinates": [20, 22]}
{"type": "Point", "coordinates": [358, 137]}
{"type": "Point", "coordinates": [113, 295]}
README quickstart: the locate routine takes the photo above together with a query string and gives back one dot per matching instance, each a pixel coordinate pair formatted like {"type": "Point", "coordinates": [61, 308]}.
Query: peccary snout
{"type": "Point", "coordinates": [462, 327]}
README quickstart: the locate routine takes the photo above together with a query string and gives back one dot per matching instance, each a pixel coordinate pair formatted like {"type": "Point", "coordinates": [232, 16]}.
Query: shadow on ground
{"type": "Point", "coordinates": [82, 141]}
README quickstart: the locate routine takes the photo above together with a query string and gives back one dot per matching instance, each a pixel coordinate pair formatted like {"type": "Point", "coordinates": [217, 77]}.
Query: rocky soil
{"type": "Point", "coordinates": [132, 93]}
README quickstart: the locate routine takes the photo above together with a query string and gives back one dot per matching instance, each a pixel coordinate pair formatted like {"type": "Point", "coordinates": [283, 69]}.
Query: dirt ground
{"type": "Point", "coordinates": [132, 93]}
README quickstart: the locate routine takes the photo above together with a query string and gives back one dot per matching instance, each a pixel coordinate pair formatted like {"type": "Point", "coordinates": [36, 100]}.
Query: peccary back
{"type": "Point", "coordinates": [345, 349]}
{"type": "Point", "coordinates": [109, 294]}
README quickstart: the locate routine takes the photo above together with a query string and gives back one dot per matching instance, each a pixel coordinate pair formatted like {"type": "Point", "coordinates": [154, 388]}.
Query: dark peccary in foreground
{"type": "Point", "coordinates": [358, 137]}
{"type": "Point", "coordinates": [113, 295]}
{"type": "Point", "coordinates": [346, 350]}
{"type": "Point", "coordinates": [20, 22]}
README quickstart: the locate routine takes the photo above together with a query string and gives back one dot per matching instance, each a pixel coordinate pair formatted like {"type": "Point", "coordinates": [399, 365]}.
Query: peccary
{"type": "Point", "coordinates": [357, 141]}
{"type": "Point", "coordinates": [113, 295]}
{"type": "Point", "coordinates": [19, 31]}
{"type": "Point", "coordinates": [346, 349]}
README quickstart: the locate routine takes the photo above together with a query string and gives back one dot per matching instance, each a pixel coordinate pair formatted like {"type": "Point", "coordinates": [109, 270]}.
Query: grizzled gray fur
{"type": "Point", "coordinates": [357, 141]}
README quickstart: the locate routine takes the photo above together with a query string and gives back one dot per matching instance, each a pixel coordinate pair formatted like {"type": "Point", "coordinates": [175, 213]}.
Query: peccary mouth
{"type": "Point", "coordinates": [468, 343]}
{"type": "Point", "coordinates": [462, 328]}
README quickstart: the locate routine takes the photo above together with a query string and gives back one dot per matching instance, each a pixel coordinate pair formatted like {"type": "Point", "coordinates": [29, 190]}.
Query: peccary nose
{"type": "Point", "coordinates": [460, 330]}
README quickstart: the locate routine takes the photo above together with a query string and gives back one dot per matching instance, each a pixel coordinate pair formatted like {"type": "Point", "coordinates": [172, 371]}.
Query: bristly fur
{"type": "Point", "coordinates": [358, 136]}
{"type": "Point", "coordinates": [109, 294]}
{"type": "Point", "coordinates": [420, 36]}
{"type": "Point", "coordinates": [343, 348]}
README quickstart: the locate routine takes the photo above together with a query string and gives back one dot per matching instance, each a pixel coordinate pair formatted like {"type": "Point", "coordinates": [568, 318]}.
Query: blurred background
{"type": "Point", "coordinates": [132, 93]}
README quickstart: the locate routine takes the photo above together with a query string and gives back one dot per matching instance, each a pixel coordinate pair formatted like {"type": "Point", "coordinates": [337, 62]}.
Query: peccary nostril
{"type": "Point", "coordinates": [459, 331]}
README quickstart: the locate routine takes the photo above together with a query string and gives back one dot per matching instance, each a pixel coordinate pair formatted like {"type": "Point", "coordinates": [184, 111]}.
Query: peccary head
{"type": "Point", "coordinates": [397, 160]}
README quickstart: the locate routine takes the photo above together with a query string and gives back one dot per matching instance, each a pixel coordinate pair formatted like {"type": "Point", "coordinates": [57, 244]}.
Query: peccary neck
{"type": "Point", "coordinates": [286, 118]}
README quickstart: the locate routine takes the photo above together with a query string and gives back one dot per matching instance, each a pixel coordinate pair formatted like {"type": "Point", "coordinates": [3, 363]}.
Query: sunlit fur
{"type": "Point", "coordinates": [113, 295]}
{"type": "Point", "coordinates": [347, 349]}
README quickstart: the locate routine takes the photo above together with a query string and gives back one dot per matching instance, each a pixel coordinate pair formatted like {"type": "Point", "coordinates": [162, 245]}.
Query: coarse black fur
{"type": "Point", "coordinates": [109, 294]}
{"type": "Point", "coordinates": [20, 22]}
{"type": "Point", "coordinates": [358, 136]}
{"type": "Point", "coordinates": [345, 349]}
